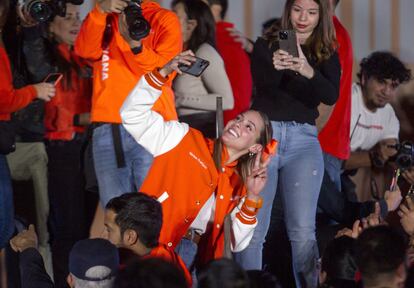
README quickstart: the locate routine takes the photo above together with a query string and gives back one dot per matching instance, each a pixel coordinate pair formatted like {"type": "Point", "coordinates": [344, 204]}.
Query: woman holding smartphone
{"type": "Point", "coordinates": [289, 89]}
{"type": "Point", "coordinates": [47, 55]}
{"type": "Point", "coordinates": [195, 97]}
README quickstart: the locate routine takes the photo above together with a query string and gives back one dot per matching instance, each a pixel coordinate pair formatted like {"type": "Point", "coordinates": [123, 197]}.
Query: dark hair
{"type": "Point", "coordinates": [139, 212]}
{"type": "Point", "coordinates": [4, 11]}
{"type": "Point", "coordinates": [205, 32]}
{"type": "Point", "coordinates": [321, 43]}
{"type": "Point", "coordinates": [151, 273]}
{"type": "Point", "coordinates": [261, 279]}
{"type": "Point", "coordinates": [224, 6]}
{"type": "Point", "coordinates": [383, 65]}
{"type": "Point", "coordinates": [338, 261]}
{"type": "Point", "coordinates": [380, 250]}
{"type": "Point", "coordinates": [246, 161]}
{"type": "Point", "coordinates": [222, 273]}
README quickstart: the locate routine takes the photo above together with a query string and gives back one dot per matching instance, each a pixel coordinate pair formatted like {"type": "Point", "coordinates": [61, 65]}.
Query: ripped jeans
{"type": "Point", "coordinates": [298, 169]}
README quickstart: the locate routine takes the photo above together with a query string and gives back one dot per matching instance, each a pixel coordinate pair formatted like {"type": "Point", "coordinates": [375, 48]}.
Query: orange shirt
{"type": "Point", "coordinates": [59, 111]}
{"type": "Point", "coordinates": [117, 69]}
{"type": "Point", "coordinates": [11, 100]}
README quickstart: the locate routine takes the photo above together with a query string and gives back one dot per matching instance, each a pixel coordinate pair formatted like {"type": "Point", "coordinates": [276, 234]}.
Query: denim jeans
{"type": "Point", "coordinates": [187, 250]}
{"type": "Point", "coordinates": [297, 172]}
{"type": "Point", "coordinates": [6, 204]}
{"type": "Point", "coordinates": [114, 181]}
{"type": "Point", "coordinates": [333, 166]}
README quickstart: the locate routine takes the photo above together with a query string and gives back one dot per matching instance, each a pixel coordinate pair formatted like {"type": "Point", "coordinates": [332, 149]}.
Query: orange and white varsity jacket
{"type": "Point", "coordinates": [183, 175]}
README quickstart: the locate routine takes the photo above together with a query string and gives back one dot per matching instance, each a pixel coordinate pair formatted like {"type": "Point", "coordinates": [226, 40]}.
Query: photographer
{"type": "Point", "coordinates": [118, 62]}
{"type": "Point", "coordinates": [11, 100]}
{"type": "Point", "coordinates": [64, 120]}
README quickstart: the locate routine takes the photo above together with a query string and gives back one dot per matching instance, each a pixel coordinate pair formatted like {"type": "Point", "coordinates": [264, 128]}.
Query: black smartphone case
{"type": "Point", "coordinates": [196, 69]}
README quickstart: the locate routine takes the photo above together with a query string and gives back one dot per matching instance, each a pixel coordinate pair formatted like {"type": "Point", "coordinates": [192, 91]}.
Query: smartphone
{"type": "Point", "coordinates": [195, 69]}
{"type": "Point", "coordinates": [288, 42]}
{"type": "Point", "coordinates": [53, 78]}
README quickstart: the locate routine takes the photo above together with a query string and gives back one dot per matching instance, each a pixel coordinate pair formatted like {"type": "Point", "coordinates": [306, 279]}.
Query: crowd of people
{"type": "Point", "coordinates": [136, 181]}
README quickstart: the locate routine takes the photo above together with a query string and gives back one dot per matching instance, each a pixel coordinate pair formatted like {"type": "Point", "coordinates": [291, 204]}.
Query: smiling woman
{"type": "Point", "coordinates": [198, 191]}
{"type": "Point", "coordinates": [65, 118]}
{"type": "Point", "coordinates": [289, 90]}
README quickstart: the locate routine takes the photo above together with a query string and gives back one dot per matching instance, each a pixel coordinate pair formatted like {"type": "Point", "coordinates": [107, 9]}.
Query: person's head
{"type": "Point", "coordinates": [245, 136]}
{"type": "Point", "coordinates": [223, 273]}
{"type": "Point", "coordinates": [380, 256]}
{"type": "Point", "coordinates": [338, 263]}
{"type": "Point", "coordinates": [4, 11]}
{"type": "Point", "coordinates": [262, 279]}
{"type": "Point", "coordinates": [218, 8]}
{"type": "Point", "coordinates": [313, 25]}
{"type": "Point", "coordinates": [272, 23]}
{"type": "Point", "coordinates": [133, 221]}
{"type": "Point", "coordinates": [197, 23]}
{"type": "Point", "coordinates": [66, 29]}
{"type": "Point", "coordinates": [151, 273]}
{"type": "Point", "coordinates": [93, 263]}
{"type": "Point", "coordinates": [379, 75]}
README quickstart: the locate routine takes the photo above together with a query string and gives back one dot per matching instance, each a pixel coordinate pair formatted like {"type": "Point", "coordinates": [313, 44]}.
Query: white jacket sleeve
{"type": "Point", "coordinates": [242, 233]}
{"type": "Point", "coordinates": [146, 126]}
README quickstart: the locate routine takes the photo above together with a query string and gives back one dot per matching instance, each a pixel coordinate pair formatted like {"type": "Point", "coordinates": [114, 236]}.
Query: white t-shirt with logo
{"type": "Point", "coordinates": [367, 127]}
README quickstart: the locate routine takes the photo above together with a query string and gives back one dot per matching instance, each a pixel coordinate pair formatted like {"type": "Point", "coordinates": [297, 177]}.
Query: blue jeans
{"type": "Point", "coordinates": [114, 181]}
{"type": "Point", "coordinates": [187, 250]}
{"type": "Point", "coordinates": [6, 204]}
{"type": "Point", "coordinates": [333, 166]}
{"type": "Point", "coordinates": [297, 172]}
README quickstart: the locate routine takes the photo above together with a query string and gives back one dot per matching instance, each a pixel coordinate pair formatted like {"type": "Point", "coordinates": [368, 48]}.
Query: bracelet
{"type": "Point", "coordinates": [253, 204]}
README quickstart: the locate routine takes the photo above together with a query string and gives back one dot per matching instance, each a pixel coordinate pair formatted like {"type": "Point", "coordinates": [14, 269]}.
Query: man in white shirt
{"type": "Point", "coordinates": [374, 125]}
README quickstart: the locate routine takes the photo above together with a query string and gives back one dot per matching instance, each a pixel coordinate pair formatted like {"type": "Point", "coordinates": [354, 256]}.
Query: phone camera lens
{"type": "Point", "coordinates": [283, 35]}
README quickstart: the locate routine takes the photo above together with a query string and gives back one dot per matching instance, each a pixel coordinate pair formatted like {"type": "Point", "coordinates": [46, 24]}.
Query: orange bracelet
{"type": "Point", "coordinates": [253, 204]}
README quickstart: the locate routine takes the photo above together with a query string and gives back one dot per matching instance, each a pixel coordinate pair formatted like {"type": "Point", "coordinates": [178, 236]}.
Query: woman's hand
{"type": "Point", "coordinates": [185, 58]}
{"type": "Point", "coordinates": [45, 91]}
{"type": "Point", "coordinates": [283, 60]}
{"type": "Point", "coordinates": [257, 178]}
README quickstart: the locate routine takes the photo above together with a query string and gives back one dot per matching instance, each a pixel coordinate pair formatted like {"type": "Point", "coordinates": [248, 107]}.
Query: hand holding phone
{"type": "Point", "coordinates": [53, 78]}
{"type": "Point", "coordinates": [196, 68]}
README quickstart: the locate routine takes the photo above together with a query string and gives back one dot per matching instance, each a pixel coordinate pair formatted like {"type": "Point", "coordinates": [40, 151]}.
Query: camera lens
{"type": "Point", "coordinates": [138, 27]}
{"type": "Point", "coordinates": [40, 11]}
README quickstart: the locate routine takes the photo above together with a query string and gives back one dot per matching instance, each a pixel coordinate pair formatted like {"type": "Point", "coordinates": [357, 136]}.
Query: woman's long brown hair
{"type": "Point", "coordinates": [321, 43]}
{"type": "Point", "coordinates": [245, 162]}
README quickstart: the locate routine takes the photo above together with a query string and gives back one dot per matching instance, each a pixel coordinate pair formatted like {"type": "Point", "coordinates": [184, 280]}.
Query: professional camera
{"type": "Point", "coordinates": [404, 158]}
{"type": "Point", "coordinates": [45, 10]}
{"type": "Point", "coordinates": [138, 27]}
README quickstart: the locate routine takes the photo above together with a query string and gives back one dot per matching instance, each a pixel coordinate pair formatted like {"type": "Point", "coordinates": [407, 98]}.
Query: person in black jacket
{"type": "Point", "coordinates": [92, 262]}
{"type": "Point", "coordinates": [289, 90]}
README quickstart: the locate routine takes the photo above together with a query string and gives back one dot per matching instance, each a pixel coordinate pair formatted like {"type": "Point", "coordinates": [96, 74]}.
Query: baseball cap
{"type": "Point", "coordinates": [89, 253]}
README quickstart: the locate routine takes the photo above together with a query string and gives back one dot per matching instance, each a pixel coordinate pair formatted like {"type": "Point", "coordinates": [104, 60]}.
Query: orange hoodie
{"type": "Point", "coordinates": [11, 99]}
{"type": "Point", "coordinates": [117, 69]}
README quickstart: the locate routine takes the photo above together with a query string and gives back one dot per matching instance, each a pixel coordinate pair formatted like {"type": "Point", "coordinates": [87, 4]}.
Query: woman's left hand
{"type": "Point", "coordinates": [256, 180]}
{"type": "Point", "coordinates": [301, 65]}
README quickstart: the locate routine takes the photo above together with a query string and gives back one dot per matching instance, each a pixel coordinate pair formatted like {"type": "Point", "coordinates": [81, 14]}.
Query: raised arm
{"type": "Point", "coordinates": [146, 126]}
{"type": "Point", "coordinates": [214, 79]}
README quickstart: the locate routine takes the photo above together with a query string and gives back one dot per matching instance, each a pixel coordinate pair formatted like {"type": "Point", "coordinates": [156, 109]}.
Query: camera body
{"type": "Point", "coordinates": [138, 26]}
{"type": "Point", "coordinates": [44, 10]}
{"type": "Point", "coordinates": [404, 159]}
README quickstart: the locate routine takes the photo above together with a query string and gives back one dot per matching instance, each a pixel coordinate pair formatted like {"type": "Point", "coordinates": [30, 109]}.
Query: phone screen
{"type": "Point", "coordinates": [53, 78]}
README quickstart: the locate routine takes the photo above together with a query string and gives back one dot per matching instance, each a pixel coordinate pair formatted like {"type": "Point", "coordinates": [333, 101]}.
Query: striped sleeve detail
{"type": "Point", "coordinates": [246, 216]}
{"type": "Point", "coordinates": [155, 79]}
